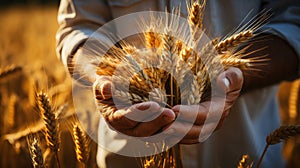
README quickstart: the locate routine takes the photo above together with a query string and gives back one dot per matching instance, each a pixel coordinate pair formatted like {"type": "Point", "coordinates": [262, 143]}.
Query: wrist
{"type": "Point", "coordinates": [81, 68]}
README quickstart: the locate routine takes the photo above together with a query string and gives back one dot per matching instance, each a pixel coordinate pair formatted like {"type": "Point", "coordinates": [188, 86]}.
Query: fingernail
{"type": "Point", "coordinates": [106, 90]}
{"type": "Point", "coordinates": [176, 108]}
{"type": "Point", "coordinates": [169, 116]}
{"type": "Point", "coordinates": [143, 106]}
{"type": "Point", "coordinates": [226, 82]}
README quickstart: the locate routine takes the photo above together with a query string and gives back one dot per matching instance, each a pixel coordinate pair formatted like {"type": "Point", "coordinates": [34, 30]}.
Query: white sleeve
{"type": "Point", "coordinates": [77, 20]}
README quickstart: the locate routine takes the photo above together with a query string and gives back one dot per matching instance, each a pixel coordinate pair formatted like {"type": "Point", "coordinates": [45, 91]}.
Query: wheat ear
{"type": "Point", "coordinates": [11, 70]}
{"type": "Point", "coordinates": [245, 162]}
{"type": "Point", "coordinates": [81, 145]}
{"type": "Point", "coordinates": [294, 99]}
{"type": "Point", "coordinates": [36, 154]}
{"type": "Point", "coordinates": [278, 135]}
{"type": "Point", "coordinates": [153, 40]}
{"type": "Point", "coordinates": [283, 133]}
{"type": "Point", "coordinates": [107, 66]}
{"type": "Point", "coordinates": [50, 120]}
{"type": "Point", "coordinates": [233, 41]}
{"type": "Point", "coordinates": [195, 18]}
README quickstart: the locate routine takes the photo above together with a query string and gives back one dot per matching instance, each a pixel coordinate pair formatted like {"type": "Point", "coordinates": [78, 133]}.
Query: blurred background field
{"type": "Point", "coordinates": [28, 44]}
{"type": "Point", "coordinates": [27, 34]}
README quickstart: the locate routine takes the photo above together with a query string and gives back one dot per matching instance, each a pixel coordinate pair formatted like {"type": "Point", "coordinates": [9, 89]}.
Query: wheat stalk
{"type": "Point", "coordinates": [278, 135]}
{"type": "Point", "coordinates": [81, 145]}
{"type": "Point", "coordinates": [245, 162]}
{"type": "Point", "coordinates": [36, 154]}
{"type": "Point", "coordinates": [51, 122]}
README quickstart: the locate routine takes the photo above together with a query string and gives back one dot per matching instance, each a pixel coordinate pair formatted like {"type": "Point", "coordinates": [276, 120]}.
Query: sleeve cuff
{"type": "Point", "coordinates": [72, 42]}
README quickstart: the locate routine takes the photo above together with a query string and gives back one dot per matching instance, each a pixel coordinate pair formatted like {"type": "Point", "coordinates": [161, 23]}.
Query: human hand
{"type": "Point", "coordinates": [139, 120]}
{"type": "Point", "coordinates": [210, 114]}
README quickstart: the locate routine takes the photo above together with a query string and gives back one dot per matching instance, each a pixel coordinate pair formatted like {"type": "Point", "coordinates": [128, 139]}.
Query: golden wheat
{"type": "Point", "coordinates": [153, 40]}
{"type": "Point", "coordinates": [294, 99]}
{"type": "Point", "coordinates": [234, 40]}
{"type": "Point", "coordinates": [51, 122]}
{"type": "Point", "coordinates": [9, 71]}
{"type": "Point", "coordinates": [36, 154]}
{"type": "Point", "coordinates": [195, 18]}
{"type": "Point", "coordinates": [81, 144]}
{"type": "Point", "coordinates": [23, 45]}
{"type": "Point", "coordinates": [169, 68]}
{"type": "Point", "coordinates": [11, 112]}
{"type": "Point", "coordinates": [245, 162]}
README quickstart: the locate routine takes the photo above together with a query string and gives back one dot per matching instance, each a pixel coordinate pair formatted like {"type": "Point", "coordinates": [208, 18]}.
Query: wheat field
{"type": "Point", "coordinates": [27, 51]}
{"type": "Point", "coordinates": [28, 45]}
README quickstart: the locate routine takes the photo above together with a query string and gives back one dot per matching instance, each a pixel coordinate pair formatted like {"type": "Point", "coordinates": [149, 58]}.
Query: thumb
{"type": "Point", "coordinates": [231, 80]}
{"type": "Point", "coordinates": [102, 87]}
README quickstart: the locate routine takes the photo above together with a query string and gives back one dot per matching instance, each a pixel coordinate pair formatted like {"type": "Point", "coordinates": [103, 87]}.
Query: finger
{"type": "Point", "coordinates": [143, 112]}
{"type": "Point", "coordinates": [128, 119]}
{"type": "Point", "coordinates": [123, 119]}
{"type": "Point", "coordinates": [147, 129]}
{"type": "Point", "coordinates": [191, 113]}
{"type": "Point", "coordinates": [209, 111]}
{"type": "Point", "coordinates": [102, 88]}
{"type": "Point", "coordinates": [230, 80]}
{"type": "Point", "coordinates": [224, 116]}
{"type": "Point", "coordinates": [119, 121]}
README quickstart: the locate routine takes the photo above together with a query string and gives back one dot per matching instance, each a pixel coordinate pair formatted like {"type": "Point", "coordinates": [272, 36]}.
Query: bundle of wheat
{"type": "Point", "coordinates": [174, 70]}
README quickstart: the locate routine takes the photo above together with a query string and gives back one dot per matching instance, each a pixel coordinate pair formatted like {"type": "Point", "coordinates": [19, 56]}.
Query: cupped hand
{"type": "Point", "coordinates": [139, 120]}
{"type": "Point", "coordinates": [211, 114]}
